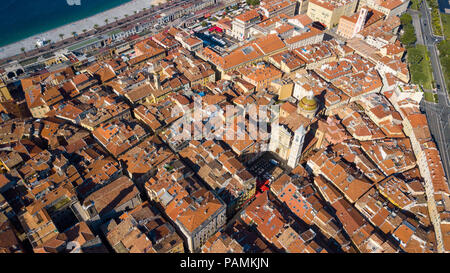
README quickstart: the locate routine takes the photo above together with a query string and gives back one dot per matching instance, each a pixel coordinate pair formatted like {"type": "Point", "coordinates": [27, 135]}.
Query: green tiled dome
{"type": "Point", "coordinates": [308, 104]}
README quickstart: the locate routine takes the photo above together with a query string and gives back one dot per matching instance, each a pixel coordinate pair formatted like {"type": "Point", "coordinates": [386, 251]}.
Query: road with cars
{"type": "Point", "coordinates": [438, 114]}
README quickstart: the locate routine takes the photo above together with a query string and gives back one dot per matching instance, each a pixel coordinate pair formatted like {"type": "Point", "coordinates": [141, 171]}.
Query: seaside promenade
{"type": "Point", "coordinates": [79, 26]}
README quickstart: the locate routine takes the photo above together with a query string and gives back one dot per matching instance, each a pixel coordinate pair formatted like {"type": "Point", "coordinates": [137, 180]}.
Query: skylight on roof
{"type": "Point", "coordinates": [247, 50]}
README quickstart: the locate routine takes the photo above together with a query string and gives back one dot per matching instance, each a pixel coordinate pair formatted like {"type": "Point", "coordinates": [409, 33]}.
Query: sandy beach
{"type": "Point", "coordinates": [78, 26]}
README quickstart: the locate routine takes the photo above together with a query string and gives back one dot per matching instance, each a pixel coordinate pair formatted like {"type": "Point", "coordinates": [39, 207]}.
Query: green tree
{"type": "Point", "coordinates": [253, 2]}
{"type": "Point", "coordinates": [406, 19]}
{"type": "Point", "coordinates": [409, 36]}
{"type": "Point", "coordinates": [414, 56]}
{"type": "Point", "coordinates": [444, 50]}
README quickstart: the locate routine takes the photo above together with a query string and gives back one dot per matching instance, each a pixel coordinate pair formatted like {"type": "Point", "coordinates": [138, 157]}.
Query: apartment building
{"type": "Point", "coordinates": [328, 12]}
{"type": "Point", "coordinates": [388, 7]}
{"type": "Point", "coordinates": [37, 224]}
{"type": "Point", "coordinates": [302, 6]}
{"type": "Point", "coordinates": [197, 213]}
{"type": "Point", "coordinates": [271, 8]}
{"type": "Point", "coordinates": [242, 23]}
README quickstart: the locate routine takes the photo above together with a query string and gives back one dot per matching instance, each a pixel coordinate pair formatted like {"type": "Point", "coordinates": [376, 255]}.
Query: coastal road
{"type": "Point", "coordinates": [438, 115]}
{"type": "Point", "coordinates": [151, 13]}
{"type": "Point", "coordinates": [122, 23]}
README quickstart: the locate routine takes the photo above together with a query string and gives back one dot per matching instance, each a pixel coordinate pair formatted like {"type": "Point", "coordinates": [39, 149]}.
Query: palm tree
{"type": "Point", "coordinates": [126, 15]}
{"type": "Point", "coordinates": [106, 21]}
{"type": "Point", "coordinates": [74, 33]}
{"type": "Point", "coordinates": [135, 12]}
{"type": "Point", "coordinates": [116, 18]}
{"type": "Point", "coordinates": [61, 36]}
{"type": "Point", "coordinates": [84, 30]}
{"type": "Point", "coordinates": [95, 26]}
{"type": "Point", "coordinates": [23, 50]}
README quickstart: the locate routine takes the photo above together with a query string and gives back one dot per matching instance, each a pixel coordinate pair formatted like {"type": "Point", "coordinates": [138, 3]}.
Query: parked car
{"type": "Point", "coordinates": [274, 162]}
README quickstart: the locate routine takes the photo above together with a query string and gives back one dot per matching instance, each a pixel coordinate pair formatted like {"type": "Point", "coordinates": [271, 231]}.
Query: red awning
{"type": "Point", "coordinates": [216, 28]}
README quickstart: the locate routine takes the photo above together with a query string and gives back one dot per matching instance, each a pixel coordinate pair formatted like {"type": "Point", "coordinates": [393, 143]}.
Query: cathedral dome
{"type": "Point", "coordinates": [308, 103]}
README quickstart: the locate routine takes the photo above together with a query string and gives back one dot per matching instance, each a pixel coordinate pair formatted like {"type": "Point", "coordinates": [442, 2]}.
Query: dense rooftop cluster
{"type": "Point", "coordinates": [89, 162]}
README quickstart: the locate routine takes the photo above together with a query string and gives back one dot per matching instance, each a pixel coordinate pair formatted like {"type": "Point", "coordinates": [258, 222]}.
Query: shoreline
{"type": "Point", "coordinates": [77, 26]}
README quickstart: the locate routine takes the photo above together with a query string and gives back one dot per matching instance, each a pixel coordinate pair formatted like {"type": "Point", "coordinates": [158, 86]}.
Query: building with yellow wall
{"type": "Point", "coordinates": [4, 92]}
{"type": "Point", "coordinates": [284, 87]}
{"type": "Point", "coordinates": [328, 12]}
